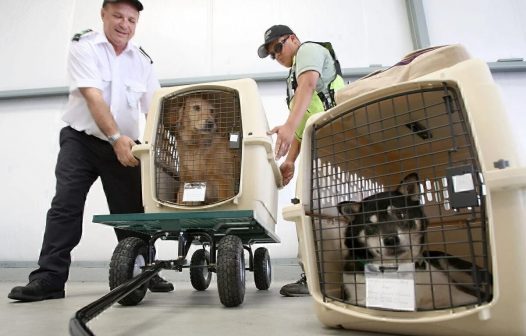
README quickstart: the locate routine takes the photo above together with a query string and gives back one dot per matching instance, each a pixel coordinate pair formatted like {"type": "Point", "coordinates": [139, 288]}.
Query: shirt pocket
{"type": "Point", "coordinates": [134, 94]}
{"type": "Point", "coordinates": [105, 78]}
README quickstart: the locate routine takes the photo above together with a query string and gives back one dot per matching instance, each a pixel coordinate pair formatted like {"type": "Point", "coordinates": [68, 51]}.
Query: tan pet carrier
{"type": "Point", "coordinates": [411, 207]}
{"type": "Point", "coordinates": [205, 146]}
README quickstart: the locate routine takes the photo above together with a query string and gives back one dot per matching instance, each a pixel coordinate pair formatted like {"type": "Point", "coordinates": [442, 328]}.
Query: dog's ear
{"type": "Point", "coordinates": [410, 186]}
{"type": "Point", "coordinates": [348, 208]}
{"type": "Point", "coordinates": [180, 113]}
{"type": "Point", "coordinates": [171, 116]}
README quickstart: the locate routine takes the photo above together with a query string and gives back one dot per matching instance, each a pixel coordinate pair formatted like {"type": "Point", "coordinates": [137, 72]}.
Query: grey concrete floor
{"type": "Point", "coordinates": [182, 312]}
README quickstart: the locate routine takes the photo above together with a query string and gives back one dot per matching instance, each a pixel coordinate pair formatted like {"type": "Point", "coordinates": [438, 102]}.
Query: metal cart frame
{"type": "Point", "coordinates": [227, 234]}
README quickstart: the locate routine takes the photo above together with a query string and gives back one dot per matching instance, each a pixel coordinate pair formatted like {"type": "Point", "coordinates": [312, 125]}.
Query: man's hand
{"type": "Point", "coordinates": [287, 171]}
{"type": "Point", "coordinates": [285, 136]}
{"type": "Point", "coordinates": [302, 98]}
{"type": "Point", "coordinates": [122, 148]}
{"type": "Point", "coordinates": [100, 112]}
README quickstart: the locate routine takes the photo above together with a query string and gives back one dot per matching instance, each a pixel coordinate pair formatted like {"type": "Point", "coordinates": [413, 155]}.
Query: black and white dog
{"type": "Point", "coordinates": [389, 228]}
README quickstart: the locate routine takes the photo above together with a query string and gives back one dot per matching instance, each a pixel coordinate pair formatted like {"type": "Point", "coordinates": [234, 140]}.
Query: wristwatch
{"type": "Point", "coordinates": [113, 138]}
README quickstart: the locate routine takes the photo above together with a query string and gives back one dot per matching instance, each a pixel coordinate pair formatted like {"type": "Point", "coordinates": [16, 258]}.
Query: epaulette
{"type": "Point", "coordinates": [77, 37]}
{"type": "Point", "coordinates": [145, 54]}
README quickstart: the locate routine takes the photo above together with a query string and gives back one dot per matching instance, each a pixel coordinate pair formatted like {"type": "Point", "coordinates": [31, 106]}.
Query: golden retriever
{"type": "Point", "coordinates": [204, 153]}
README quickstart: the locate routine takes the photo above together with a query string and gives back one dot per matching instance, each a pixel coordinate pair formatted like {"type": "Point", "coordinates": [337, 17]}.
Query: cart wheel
{"type": "Point", "coordinates": [128, 258]}
{"type": "Point", "coordinates": [231, 271]}
{"type": "Point", "coordinates": [200, 277]}
{"type": "Point", "coordinates": [262, 269]}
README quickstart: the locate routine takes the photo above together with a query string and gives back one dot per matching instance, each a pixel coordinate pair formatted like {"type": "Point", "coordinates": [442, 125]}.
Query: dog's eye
{"type": "Point", "coordinates": [409, 224]}
{"type": "Point", "coordinates": [399, 213]}
{"type": "Point", "coordinates": [196, 108]}
{"type": "Point", "coordinates": [371, 230]}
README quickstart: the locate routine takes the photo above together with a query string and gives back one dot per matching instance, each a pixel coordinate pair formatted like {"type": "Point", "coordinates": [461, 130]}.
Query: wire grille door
{"type": "Point", "coordinates": [197, 155]}
{"type": "Point", "coordinates": [398, 205]}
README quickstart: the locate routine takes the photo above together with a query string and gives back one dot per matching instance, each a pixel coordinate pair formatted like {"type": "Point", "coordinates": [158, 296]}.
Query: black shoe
{"type": "Point", "coordinates": [298, 288]}
{"type": "Point", "coordinates": [158, 284]}
{"type": "Point", "coordinates": [36, 290]}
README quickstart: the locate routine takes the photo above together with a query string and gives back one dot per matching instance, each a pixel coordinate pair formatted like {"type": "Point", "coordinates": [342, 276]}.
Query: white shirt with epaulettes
{"type": "Point", "coordinates": [127, 82]}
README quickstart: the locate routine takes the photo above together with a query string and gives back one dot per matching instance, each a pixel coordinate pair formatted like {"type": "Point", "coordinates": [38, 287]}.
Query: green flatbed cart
{"type": "Point", "coordinates": [223, 235]}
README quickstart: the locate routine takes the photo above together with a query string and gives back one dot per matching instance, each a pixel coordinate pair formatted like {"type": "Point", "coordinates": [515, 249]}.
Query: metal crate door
{"type": "Point", "coordinates": [360, 160]}
{"type": "Point", "coordinates": [198, 148]}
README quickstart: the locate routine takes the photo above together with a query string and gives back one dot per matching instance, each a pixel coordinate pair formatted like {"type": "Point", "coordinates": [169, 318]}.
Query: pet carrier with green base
{"type": "Point", "coordinates": [209, 179]}
{"type": "Point", "coordinates": [205, 145]}
{"type": "Point", "coordinates": [410, 209]}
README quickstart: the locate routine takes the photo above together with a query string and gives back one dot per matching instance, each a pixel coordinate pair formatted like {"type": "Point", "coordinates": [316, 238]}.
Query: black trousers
{"type": "Point", "coordinates": [81, 160]}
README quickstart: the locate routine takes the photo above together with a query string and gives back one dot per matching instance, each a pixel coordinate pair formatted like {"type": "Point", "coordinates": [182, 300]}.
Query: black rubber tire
{"type": "Point", "coordinates": [262, 269]}
{"type": "Point", "coordinates": [200, 277]}
{"type": "Point", "coordinates": [128, 256]}
{"type": "Point", "coordinates": [231, 271]}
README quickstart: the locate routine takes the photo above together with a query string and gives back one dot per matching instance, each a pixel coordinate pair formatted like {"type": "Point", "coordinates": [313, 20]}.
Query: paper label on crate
{"type": "Point", "coordinates": [234, 140]}
{"type": "Point", "coordinates": [463, 183]}
{"type": "Point", "coordinates": [390, 286]}
{"type": "Point", "coordinates": [234, 137]}
{"type": "Point", "coordinates": [194, 192]}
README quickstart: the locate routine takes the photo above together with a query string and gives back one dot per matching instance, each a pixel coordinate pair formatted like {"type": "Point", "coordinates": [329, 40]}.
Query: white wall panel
{"type": "Point", "coordinates": [32, 36]}
{"type": "Point", "coordinates": [490, 29]}
{"type": "Point", "coordinates": [199, 38]}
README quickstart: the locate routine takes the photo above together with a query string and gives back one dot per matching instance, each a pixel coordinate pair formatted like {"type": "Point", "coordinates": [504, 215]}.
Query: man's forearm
{"type": "Point", "coordinates": [100, 111]}
{"type": "Point", "coordinates": [302, 97]}
{"type": "Point", "coordinates": [294, 151]}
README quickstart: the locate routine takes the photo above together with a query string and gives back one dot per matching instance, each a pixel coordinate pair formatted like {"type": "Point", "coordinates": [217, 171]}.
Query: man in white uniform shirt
{"type": "Point", "coordinates": [112, 82]}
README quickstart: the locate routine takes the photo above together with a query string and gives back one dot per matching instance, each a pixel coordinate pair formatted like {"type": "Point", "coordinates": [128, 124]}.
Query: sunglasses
{"type": "Point", "coordinates": [278, 48]}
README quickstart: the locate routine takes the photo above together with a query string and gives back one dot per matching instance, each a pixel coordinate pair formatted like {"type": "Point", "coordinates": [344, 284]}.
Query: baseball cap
{"type": "Point", "coordinates": [135, 3]}
{"type": "Point", "coordinates": [272, 34]}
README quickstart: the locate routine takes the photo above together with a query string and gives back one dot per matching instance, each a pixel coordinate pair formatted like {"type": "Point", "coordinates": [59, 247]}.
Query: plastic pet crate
{"type": "Point", "coordinates": [205, 145]}
{"type": "Point", "coordinates": [410, 209]}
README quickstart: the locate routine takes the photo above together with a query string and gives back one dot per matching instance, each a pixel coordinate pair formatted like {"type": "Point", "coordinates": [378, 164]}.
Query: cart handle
{"type": "Point", "coordinates": [77, 324]}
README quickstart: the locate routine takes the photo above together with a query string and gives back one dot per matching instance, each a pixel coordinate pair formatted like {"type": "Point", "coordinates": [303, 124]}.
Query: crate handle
{"type": "Point", "coordinates": [265, 142]}
{"type": "Point", "coordinates": [137, 149]}
{"type": "Point", "coordinates": [506, 179]}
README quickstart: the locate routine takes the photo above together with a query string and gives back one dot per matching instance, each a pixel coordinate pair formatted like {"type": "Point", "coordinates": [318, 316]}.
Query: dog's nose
{"type": "Point", "coordinates": [391, 241]}
{"type": "Point", "coordinates": [210, 125]}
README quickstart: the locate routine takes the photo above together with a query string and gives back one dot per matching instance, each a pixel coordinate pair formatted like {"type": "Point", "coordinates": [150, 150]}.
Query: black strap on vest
{"type": "Point", "coordinates": [329, 47]}
{"type": "Point", "coordinates": [327, 101]}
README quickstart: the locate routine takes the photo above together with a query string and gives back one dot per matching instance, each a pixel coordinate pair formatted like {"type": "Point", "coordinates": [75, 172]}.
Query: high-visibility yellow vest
{"type": "Point", "coordinates": [321, 101]}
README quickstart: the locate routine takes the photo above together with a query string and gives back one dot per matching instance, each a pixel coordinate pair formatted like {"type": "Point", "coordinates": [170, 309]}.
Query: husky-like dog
{"type": "Point", "coordinates": [389, 228]}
